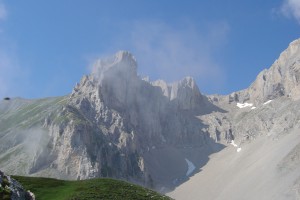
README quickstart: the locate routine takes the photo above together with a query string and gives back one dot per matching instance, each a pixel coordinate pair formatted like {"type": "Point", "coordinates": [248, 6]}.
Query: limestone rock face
{"type": "Point", "coordinates": [12, 188]}
{"type": "Point", "coordinates": [113, 124]}
{"type": "Point", "coordinates": [282, 79]}
{"type": "Point", "coordinates": [260, 127]}
{"type": "Point", "coordinates": [269, 102]}
{"type": "Point", "coordinates": [184, 94]}
{"type": "Point", "coordinates": [133, 118]}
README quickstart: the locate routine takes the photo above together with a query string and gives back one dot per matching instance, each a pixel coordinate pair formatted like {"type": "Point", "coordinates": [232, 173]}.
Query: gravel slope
{"type": "Point", "coordinates": [265, 169]}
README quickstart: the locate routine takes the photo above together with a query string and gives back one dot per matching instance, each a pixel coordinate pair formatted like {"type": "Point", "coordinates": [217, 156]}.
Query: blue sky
{"type": "Point", "coordinates": [47, 46]}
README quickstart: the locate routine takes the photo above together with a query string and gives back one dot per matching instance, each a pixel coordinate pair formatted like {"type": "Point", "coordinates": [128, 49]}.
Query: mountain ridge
{"type": "Point", "coordinates": [115, 124]}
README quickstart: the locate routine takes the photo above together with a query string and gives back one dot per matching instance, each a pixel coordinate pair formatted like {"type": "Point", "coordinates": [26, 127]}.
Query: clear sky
{"type": "Point", "coordinates": [47, 46]}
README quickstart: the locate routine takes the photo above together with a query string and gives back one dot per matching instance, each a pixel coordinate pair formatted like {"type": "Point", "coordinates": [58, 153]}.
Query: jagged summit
{"type": "Point", "coordinates": [121, 64]}
{"type": "Point", "coordinates": [261, 128]}
{"type": "Point", "coordinates": [142, 117]}
{"type": "Point", "coordinates": [118, 58]}
{"type": "Point", "coordinates": [281, 79]}
{"type": "Point", "coordinates": [115, 124]}
{"type": "Point", "coordinates": [115, 81]}
{"type": "Point", "coordinates": [295, 43]}
{"type": "Point", "coordinates": [185, 93]}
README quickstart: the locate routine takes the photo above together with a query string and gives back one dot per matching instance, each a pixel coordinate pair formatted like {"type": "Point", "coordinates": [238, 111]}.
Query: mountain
{"type": "Point", "coordinates": [282, 79]}
{"type": "Point", "coordinates": [113, 124]}
{"type": "Point", "coordinates": [263, 160]}
{"type": "Point", "coordinates": [163, 135]}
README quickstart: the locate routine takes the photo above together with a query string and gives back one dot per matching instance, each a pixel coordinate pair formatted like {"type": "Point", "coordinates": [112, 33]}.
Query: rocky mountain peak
{"type": "Point", "coordinates": [112, 80]}
{"type": "Point", "coordinates": [187, 83]}
{"type": "Point", "coordinates": [281, 79]}
{"type": "Point", "coordinates": [288, 57]}
{"type": "Point", "coordinates": [294, 46]}
{"type": "Point", "coordinates": [185, 93]}
{"type": "Point", "coordinates": [115, 124]}
{"type": "Point", "coordinates": [122, 64]}
{"type": "Point", "coordinates": [115, 81]}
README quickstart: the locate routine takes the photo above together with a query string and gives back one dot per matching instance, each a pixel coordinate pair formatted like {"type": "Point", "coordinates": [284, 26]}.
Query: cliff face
{"type": "Point", "coordinates": [281, 79]}
{"type": "Point", "coordinates": [263, 107]}
{"type": "Point", "coordinates": [130, 120]}
{"type": "Point", "coordinates": [114, 124]}
{"type": "Point", "coordinates": [260, 127]}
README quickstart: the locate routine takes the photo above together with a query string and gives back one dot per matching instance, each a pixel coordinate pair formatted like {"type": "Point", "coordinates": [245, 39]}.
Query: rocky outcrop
{"type": "Point", "coordinates": [281, 79]}
{"type": "Point", "coordinates": [260, 115]}
{"type": "Point", "coordinates": [115, 124]}
{"type": "Point", "coordinates": [260, 126]}
{"type": "Point", "coordinates": [11, 189]}
{"type": "Point", "coordinates": [184, 94]}
{"type": "Point", "coordinates": [124, 118]}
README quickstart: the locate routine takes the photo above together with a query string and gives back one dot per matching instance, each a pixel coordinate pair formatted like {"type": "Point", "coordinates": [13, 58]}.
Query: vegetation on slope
{"type": "Point", "coordinates": [49, 189]}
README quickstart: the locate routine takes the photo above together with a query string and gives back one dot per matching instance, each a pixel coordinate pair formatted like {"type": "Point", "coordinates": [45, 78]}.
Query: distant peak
{"type": "Point", "coordinates": [188, 80]}
{"type": "Point", "coordinates": [122, 61]}
{"type": "Point", "coordinates": [295, 42]}
{"type": "Point", "coordinates": [124, 56]}
{"type": "Point", "coordinates": [120, 57]}
{"type": "Point", "coordinates": [293, 48]}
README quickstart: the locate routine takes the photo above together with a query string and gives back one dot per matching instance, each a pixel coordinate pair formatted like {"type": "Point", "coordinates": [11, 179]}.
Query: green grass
{"type": "Point", "coordinates": [30, 113]}
{"type": "Point", "coordinates": [53, 189]}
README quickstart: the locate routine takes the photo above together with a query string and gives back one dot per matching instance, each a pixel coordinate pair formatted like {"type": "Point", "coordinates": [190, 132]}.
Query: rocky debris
{"type": "Point", "coordinates": [11, 189]}
{"type": "Point", "coordinates": [265, 168]}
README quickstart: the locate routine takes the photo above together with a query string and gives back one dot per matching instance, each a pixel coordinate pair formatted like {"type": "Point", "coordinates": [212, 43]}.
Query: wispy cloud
{"type": "Point", "coordinates": [291, 9]}
{"type": "Point", "coordinates": [172, 53]}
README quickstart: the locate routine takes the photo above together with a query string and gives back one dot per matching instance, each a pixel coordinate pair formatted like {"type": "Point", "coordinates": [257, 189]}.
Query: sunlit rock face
{"type": "Point", "coordinates": [158, 134]}
{"type": "Point", "coordinates": [139, 119]}
{"type": "Point", "coordinates": [12, 189]}
{"type": "Point", "coordinates": [114, 124]}
{"type": "Point", "coordinates": [281, 79]}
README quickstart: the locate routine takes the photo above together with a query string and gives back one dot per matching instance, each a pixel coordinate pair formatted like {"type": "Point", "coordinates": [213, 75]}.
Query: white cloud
{"type": "Point", "coordinates": [172, 53]}
{"type": "Point", "coordinates": [291, 8]}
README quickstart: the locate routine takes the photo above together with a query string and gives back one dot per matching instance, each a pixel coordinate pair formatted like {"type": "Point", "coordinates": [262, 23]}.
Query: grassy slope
{"type": "Point", "coordinates": [21, 113]}
{"type": "Point", "coordinates": [49, 189]}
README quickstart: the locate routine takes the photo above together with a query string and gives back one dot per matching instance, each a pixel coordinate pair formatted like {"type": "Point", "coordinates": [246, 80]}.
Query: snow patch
{"type": "Point", "coordinates": [235, 145]}
{"type": "Point", "coordinates": [253, 108]}
{"type": "Point", "coordinates": [267, 102]}
{"type": "Point", "coordinates": [244, 105]}
{"type": "Point", "coordinates": [191, 167]}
